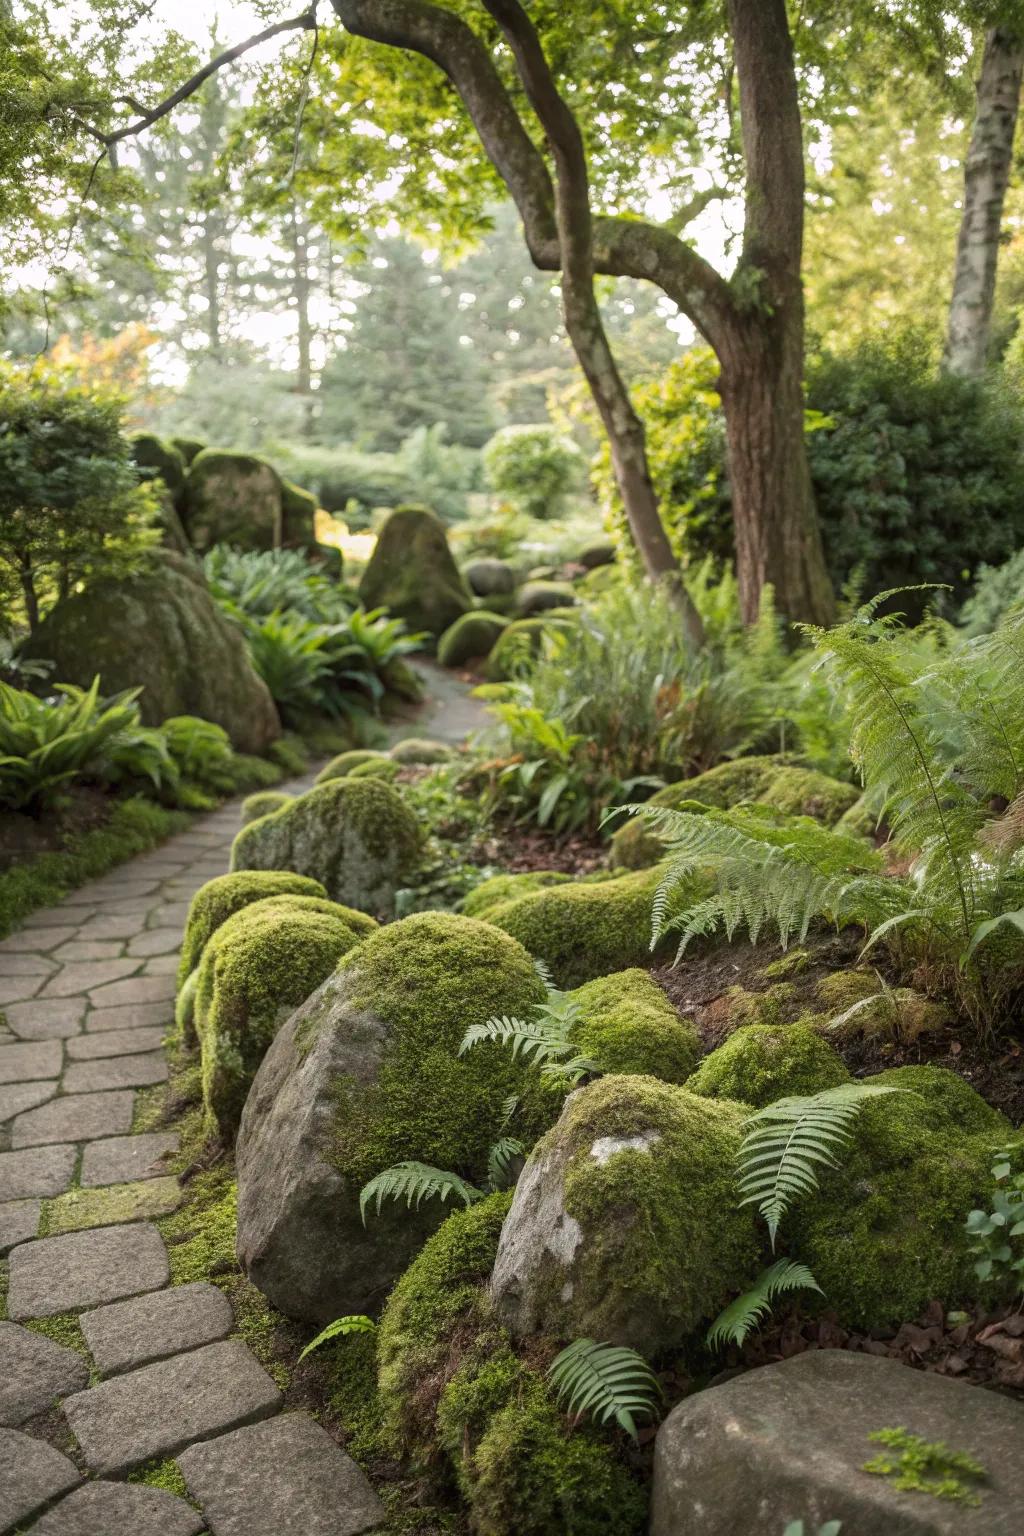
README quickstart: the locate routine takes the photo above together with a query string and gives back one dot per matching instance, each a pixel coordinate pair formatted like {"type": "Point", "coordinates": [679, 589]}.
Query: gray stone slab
{"type": "Point", "coordinates": [33, 1372]}
{"type": "Point", "coordinates": [89, 949]}
{"type": "Point", "coordinates": [130, 1016]}
{"type": "Point", "coordinates": [19, 1096]}
{"type": "Point", "coordinates": [49, 917]}
{"type": "Point", "coordinates": [120, 1509]}
{"type": "Point", "coordinates": [115, 1042]}
{"type": "Point", "coordinates": [28, 964]}
{"type": "Point", "coordinates": [286, 1477]}
{"type": "Point", "coordinates": [32, 1475]}
{"type": "Point", "coordinates": [14, 989]}
{"type": "Point", "coordinates": [156, 1411]}
{"type": "Point", "coordinates": [27, 1062]}
{"type": "Point", "coordinates": [172, 914]}
{"type": "Point", "coordinates": [37, 1171]}
{"type": "Point", "coordinates": [19, 1220]}
{"type": "Point", "coordinates": [136, 989]}
{"type": "Point", "coordinates": [86, 975]}
{"type": "Point", "coordinates": [155, 941]}
{"type": "Point", "coordinates": [132, 1333]}
{"type": "Point", "coordinates": [125, 1159]}
{"type": "Point", "coordinates": [75, 1117]}
{"type": "Point", "coordinates": [161, 965]}
{"type": "Point", "coordinates": [85, 1269]}
{"type": "Point", "coordinates": [116, 1072]}
{"type": "Point", "coordinates": [47, 1019]}
{"type": "Point", "coordinates": [112, 925]}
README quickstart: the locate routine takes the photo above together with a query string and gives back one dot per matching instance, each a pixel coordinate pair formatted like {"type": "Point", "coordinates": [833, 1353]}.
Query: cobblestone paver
{"type": "Point", "coordinates": [87, 991]}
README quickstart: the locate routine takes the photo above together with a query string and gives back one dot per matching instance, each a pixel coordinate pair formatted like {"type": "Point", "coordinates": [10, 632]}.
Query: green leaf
{"type": "Point", "coordinates": [732, 1325]}
{"type": "Point", "coordinates": [342, 1327]}
{"type": "Point", "coordinates": [610, 1383]}
{"type": "Point", "coordinates": [415, 1182]}
{"type": "Point", "coordinates": [983, 930]}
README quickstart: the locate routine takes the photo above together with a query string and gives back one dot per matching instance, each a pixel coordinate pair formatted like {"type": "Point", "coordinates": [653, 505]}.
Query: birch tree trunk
{"type": "Point", "coordinates": [986, 177]}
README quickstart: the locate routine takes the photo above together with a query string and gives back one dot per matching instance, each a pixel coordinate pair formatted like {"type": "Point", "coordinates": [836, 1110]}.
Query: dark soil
{"type": "Point", "coordinates": [82, 809]}
{"type": "Point", "coordinates": [519, 851]}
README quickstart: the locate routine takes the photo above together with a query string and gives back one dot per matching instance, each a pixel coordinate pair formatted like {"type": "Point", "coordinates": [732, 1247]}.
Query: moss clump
{"type": "Point", "coordinates": [489, 577]}
{"type": "Point", "coordinates": [261, 963]}
{"type": "Point", "coordinates": [356, 836]}
{"type": "Point", "coordinates": [428, 978]}
{"type": "Point", "coordinates": [80, 1209]}
{"type": "Point", "coordinates": [161, 1474]}
{"type": "Point", "coordinates": [497, 892]}
{"type": "Point", "coordinates": [262, 804]}
{"type": "Point", "coordinates": [221, 897]}
{"type": "Point", "coordinates": [412, 573]}
{"type": "Point", "coordinates": [856, 1006]}
{"type": "Point", "coordinates": [450, 1382]}
{"type": "Point", "coordinates": [471, 636]}
{"type": "Point", "coordinates": [341, 766]}
{"type": "Point", "coordinates": [377, 768]}
{"type": "Point", "coordinates": [541, 596]}
{"type": "Point", "coordinates": [200, 1236]}
{"type": "Point", "coordinates": [422, 750]}
{"type": "Point", "coordinates": [583, 929]}
{"type": "Point", "coordinates": [861, 820]}
{"type": "Point", "coordinates": [777, 1004]}
{"type": "Point", "coordinates": [521, 640]}
{"type": "Point", "coordinates": [232, 498]}
{"type": "Point", "coordinates": [628, 1025]}
{"type": "Point", "coordinates": [769, 781]}
{"type": "Point", "coordinates": [884, 1235]}
{"type": "Point", "coordinates": [298, 517]}
{"type": "Point", "coordinates": [762, 1062]}
{"type": "Point", "coordinates": [290, 754]}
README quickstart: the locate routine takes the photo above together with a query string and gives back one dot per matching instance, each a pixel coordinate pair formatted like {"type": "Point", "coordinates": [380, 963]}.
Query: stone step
{"type": "Point", "coordinates": [19, 1220]}
{"type": "Point", "coordinates": [120, 1159]}
{"type": "Point", "coordinates": [120, 1509]}
{"type": "Point", "coordinates": [158, 1410]}
{"type": "Point", "coordinates": [85, 1269]}
{"type": "Point", "coordinates": [75, 1117]}
{"type": "Point", "coordinates": [116, 1072]}
{"type": "Point", "coordinates": [36, 1171]}
{"type": "Point", "coordinates": [130, 1334]}
{"type": "Point", "coordinates": [32, 1475]}
{"type": "Point", "coordinates": [34, 1371]}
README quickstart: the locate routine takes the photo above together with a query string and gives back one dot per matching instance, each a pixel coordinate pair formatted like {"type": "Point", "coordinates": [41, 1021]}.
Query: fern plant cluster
{"type": "Point", "coordinates": [938, 738]}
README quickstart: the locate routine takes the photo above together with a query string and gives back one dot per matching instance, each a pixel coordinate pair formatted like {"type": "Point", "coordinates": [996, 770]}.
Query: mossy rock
{"type": "Point", "coordinates": [855, 1006]}
{"type": "Point", "coordinates": [262, 803]}
{"type": "Point", "coordinates": [356, 836]}
{"type": "Point", "coordinates": [188, 447]}
{"type": "Point", "coordinates": [541, 596]}
{"type": "Point", "coordinates": [625, 1225]}
{"type": "Point", "coordinates": [628, 1025]}
{"type": "Point", "coordinates": [376, 768]}
{"type": "Point", "coordinates": [341, 766]}
{"type": "Point", "coordinates": [162, 461]}
{"type": "Point", "coordinates": [501, 889]}
{"type": "Point", "coordinates": [232, 498]}
{"type": "Point", "coordinates": [368, 1074]}
{"type": "Point", "coordinates": [860, 820]}
{"type": "Point", "coordinates": [256, 969]}
{"type": "Point", "coordinates": [453, 1390]}
{"type": "Point", "coordinates": [161, 631]}
{"type": "Point", "coordinates": [521, 640]}
{"type": "Point", "coordinates": [489, 577]}
{"type": "Point", "coordinates": [298, 517]}
{"type": "Point", "coordinates": [472, 635]}
{"type": "Point", "coordinates": [168, 519]}
{"type": "Point", "coordinates": [597, 555]}
{"type": "Point", "coordinates": [762, 1062]}
{"type": "Point", "coordinates": [587, 928]}
{"type": "Point", "coordinates": [769, 781]}
{"type": "Point", "coordinates": [884, 1235]}
{"type": "Point", "coordinates": [219, 898]}
{"type": "Point", "coordinates": [412, 573]}
{"type": "Point", "coordinates": [422, 750]}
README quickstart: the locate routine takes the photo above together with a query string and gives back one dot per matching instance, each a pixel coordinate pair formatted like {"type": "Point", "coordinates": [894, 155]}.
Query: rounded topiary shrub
{"type": "Point", "coordinates": [763, 1062]}
{"type": "Point", "coordinates": [356, 836]}
{"type": "Point", "coordinates": [159, 460]}
{"type": "Point", "coordinates": [262, 803]}
{"type": "Point", "coordinates": [532, 466]}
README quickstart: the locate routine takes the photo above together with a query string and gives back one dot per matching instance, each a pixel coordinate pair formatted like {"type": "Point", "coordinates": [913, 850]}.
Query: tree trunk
{"type": "Point", "coordinates": [301, 287]}
{"type": "Point", "coordinates": [778, 539]}
{"type": "Point", "coordinates": [28, 591]}
{"type": "Point", "coordinates": [986, 177]}
{"type": "Point", "coordinates": [211, 282]}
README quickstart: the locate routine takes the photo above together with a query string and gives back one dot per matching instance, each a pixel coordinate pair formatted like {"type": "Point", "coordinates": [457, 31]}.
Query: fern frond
{"type": "Point", "coordinates": [736, 1321]}
{"type": "Point", "coordinates": [610, 1383]}
{"type": "Point", "coordinates": [500, 1159]}
{"type": "Point", "coordinates": [340, 1328]}
{"type": "Point", "coordinates": [415, 1182]}
{"type": "Point", "coordinates": [789, 1141]}
{"type": "Point", "coordinates": [542, 1041]}
{"type": "Point", "coordinates": [508, 1109]}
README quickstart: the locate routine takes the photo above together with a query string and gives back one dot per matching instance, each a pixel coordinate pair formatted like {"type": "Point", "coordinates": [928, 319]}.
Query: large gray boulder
{"type": "Point", "coordinates": [412, 573]}
{"type": "Point", "coordinates": [233, 498]}
{"type": "Point", "coordinates": [488, 577]}
{"type": "Point", "coordinates": [161, 630]}
{"type": "Point", "coordinates": [789, 1442]}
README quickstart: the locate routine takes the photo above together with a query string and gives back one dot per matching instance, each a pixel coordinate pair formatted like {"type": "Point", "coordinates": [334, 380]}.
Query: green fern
{"type": "Point", "coordinates": [500, 1161]}
{"type": "Point", "coordinates": [342, 1327]}
{"type": "Point", "coordinates": [610, 1383]}
{"type": "Point", "coordinates": [733, 1325]}
{"type": "Point", "coordinates": [790, 1140]}
{"type": "Point", "coordinates": [544, 1040]}
{"type": "Point", "coordinates": [415, 1182]}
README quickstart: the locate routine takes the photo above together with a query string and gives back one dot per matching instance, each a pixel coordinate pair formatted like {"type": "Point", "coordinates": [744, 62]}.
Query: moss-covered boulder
{"type": "Point", "coordinates": [232, 498]}
{"type": "Point", "coordinates": [412, 573]}
{"type": "Point", "coordinates": [884, 1235]}
{"type": "Point", "coordinates": [595, 556]}
{"type": "Point", "coordinates": [497, 892]}
{"type": "Point", "coordinates": [764, 1062]}
{"type": "Point", "coordinates": [423, 751]}
{"type": "Point", "coordinates": [383, 767]}
{"type": "Point", "coordinates": [365, 1075]}
{"type": "Point", "coordinates": [625, 1225]}
{"type": "Point", "coordinates": [298, 517]}
{"type": "Point", "coordinates": [769, 781]}
{"type": "Point", "coordinates": [221, 897]}
{"type": "Point", "coordinates": [188, 447]}
{"type": "Point", "coordinates": [472, 635]}
{"type": "Point", "coordinates": [458, 1400]}
{"type": "Point", "coordinates": [541, 596]}
{"type": "Point", "coordinates": [161, 631]}
{"type": "Point", "coordinates": [627, 1025]}
{"type": "Point", "coordinates": [587, 928]}
{"type": "Point", "coordinates": [262, 803]}
{"type": "Point", "coordinates": [159, 460]}
{"type": "Point", "coordinates": [521, 640]}
{"type": "Point", "coordinates": [257, 968]}
{"type": "Point", "coordinates": [490, 577]}
{"type": "Point", "coordinates": [341, 766]}
{"type": "Point", "coordinates": [356, 836]}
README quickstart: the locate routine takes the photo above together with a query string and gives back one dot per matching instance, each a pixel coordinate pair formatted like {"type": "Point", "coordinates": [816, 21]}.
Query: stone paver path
{"type": "Point", "coordinates": [87, 989]}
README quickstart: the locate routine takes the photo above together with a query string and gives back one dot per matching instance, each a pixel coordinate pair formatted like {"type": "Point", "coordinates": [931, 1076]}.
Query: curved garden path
{"type": "Point", "coordinates": [87, 988]}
